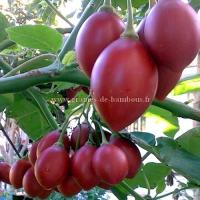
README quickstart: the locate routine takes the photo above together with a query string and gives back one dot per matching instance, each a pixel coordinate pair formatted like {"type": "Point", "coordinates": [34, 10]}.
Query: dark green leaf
{"type": "Point", "coordinates": [28, 117]}
{"type": "Point", "coordinates": [6, 100]}
{"type": "Point", "coordinates": [36, 37]}
{"type": "Point", "coordinates": [120, 192]}
{"type": "Point", "coordinates": [155, 173]}
{"type": "Point", "coordinates": [123, 4]}
{"type": "Point", "coordinates": [3, 24]}
{"type": "Point", "coordinates": [168, 123]}
{"type": "Point", "coordinates": [179, 159]}
{"type": "Point", "coordinates": [186, 85]}
{"type": "Point", "coordinates": [161, 187]}
{"type": "Point", "coordinates": [190, 141]}
{"type": "Point", "coordinates": [146, 140]}
{"type": "Point", "coordinates": [80, 98]}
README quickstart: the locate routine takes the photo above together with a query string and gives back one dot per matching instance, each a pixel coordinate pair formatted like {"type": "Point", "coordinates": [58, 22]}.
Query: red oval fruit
{"type": "Point", "coordinates": [110, 164]}
{"type": "Point", "coordinates": [123, 83]}
{"type": "Point", "coordinates": [30, 184]}
{"type": "Point", "coordinates": [104, 186]}
{"type": "Point", "coordinates": [4, 172]}
{"type": "Point", "coordinates": [132, 154]}
{"type": "Point", "coordinates": [166, 82]}
{"type": "Point", "coordinates": [81, 167]}
{"type": "Point", "coordinates": [167, 79]}
{"type": "Point", "coordinates": [50, 139]}
{"type": "Point", "coordinates": [44, 194]}
{"type": "Point", "coordinates": [172, 34]}
{"type": "Point", "coordinates": [69, 187]}
{"type": "Point", "coordinates": [32, 154]}
{"type": "Point", "coordinates": [17, 171]}
{"type": "Point", "coordinates": [98, 31]}
{"type": "Point", "coordinates": [52, 166]}
{"type": "Point", "coordinates": [80, 135]}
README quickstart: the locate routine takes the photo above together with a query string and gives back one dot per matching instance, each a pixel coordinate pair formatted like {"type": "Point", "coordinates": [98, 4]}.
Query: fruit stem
{"type": "Point", "coordinates": [104, 140]}
{"type": "Point", "coordinates": [65, 124]}
{"type": "Point", "coordinates": [129, 30]}
{"type": "Point", "coordinates": [107, 3]}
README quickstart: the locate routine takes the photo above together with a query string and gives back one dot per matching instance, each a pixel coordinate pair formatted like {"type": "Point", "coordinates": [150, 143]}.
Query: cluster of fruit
{"type": "Point", "coordinates": [125, 64]}
{"type": "Point", "coordinates": [73, 164]}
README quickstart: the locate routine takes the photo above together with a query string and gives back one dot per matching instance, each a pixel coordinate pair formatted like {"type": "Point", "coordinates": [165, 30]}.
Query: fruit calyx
{"type": "Point", "coordinates": [107, 7]}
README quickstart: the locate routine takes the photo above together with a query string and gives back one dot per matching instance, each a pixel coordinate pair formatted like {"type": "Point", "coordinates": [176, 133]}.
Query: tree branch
{"type": "Point", "coordinates": [178, 109]}
{"type": "Point", "coordinates": [5, 44]}
{"type": "Point", "coordinates": [22, 82]}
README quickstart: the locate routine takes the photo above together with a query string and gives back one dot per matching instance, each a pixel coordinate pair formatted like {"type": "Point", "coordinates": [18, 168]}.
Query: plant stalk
{"type": "Point", "coordinates": [26, 64]}
{"type": "Point", "coordinates": [129, 30]}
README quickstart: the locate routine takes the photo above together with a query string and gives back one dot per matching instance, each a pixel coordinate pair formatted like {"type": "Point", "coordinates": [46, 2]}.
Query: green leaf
{"type": "Point", "coordinates": [3, 24]}
{"type": "Point", "coordinates": [143, 138]}
{"type": "Point", "coordinates": [168, 123]}
{"type": "Point", "coordinates": [160, 187]}
{"type": "Point", "coordinates": [190, 141]}
{"type": "Point", "coordinates": [69, 58]}
{"type": "Point", "coordinates": [123, 4]}
{"type": "Point", "coordinates": [182, 161]}
{"type": "Point", "coordinates": [120, 192]}
{"type": "Point", "coordinates": [186, 85]}
{"type": "Point", "coordinates": [28, 117]}
{"type": "Point", "coordinates": [155, 173]}
{"type": "Point", "coordinates": [76, 101]}
{"type": "Point", "coordinates": [6, 100]}
{"type": "Point", "coordinates": [195, 4]}
{"type": "Point", "coordinates": [36, 37]}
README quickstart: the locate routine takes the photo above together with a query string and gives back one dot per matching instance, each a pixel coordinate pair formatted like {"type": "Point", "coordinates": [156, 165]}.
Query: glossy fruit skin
{"type": "Point", "coordinates": [167, 79]}
{"type": "Point", "coordinates": [30, 184]}
{"type": "Point", "coordinates": [110, 164]}
{"type": "Point", "coordinates": [85, 174]}
{"type": "Point", "coordinates": [44, 194]}
{"type": "Point", "coordinates": [52, 166]}
{"type": "Point", "coordinates": [17, 171]}
{"type": "Point", "coordinates": [124, 70]}
{"type": "Point", "coordinates": [166, 82]}
{"type": "Point", "coordinates": [80, 134]}
{"type": "Point", "coordinates": [69, 187]}
{"type": "Point", "coordinates": [172, 34]}
{"type": "Point", "coordinates": [132, 154]}
{"type": "Point", "coordinates": [32, 154]}
{"type": "Point", "coordinates": [50, 139]}
{"type": "Point", "coordinates": [98, 31]}
{"type": "Point", "coordinates": [4, 172]}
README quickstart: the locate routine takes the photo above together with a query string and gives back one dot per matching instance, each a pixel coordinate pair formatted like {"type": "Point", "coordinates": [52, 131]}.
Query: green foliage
{"type": "Point", "coordinates": [6, 100]}
{"type": "Point", "coordinates": [182, 161]}
{"type": "Point", "coordinates": [188, 84]}
{"type": "Point", "coordinates": [166, 120]}
{"type": "Point", "coordinates": [190, 141]}
{"type": "Point", "coordinates": [36, 36]}
{"type": "Point", "coordinates": [154, 172]}
{"type": "Point", "coordinates": [28, 117]}
{"type": "Point", "coordinates": [3, 24]}
{"type": "Point", "coordinates": [123, 4]}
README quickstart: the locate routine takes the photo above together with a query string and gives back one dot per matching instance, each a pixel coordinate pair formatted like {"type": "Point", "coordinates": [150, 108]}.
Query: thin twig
{"type": "Point", "coordinates": [9, 140]}
{"type": "Point", "coordinates": [58, 13]}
